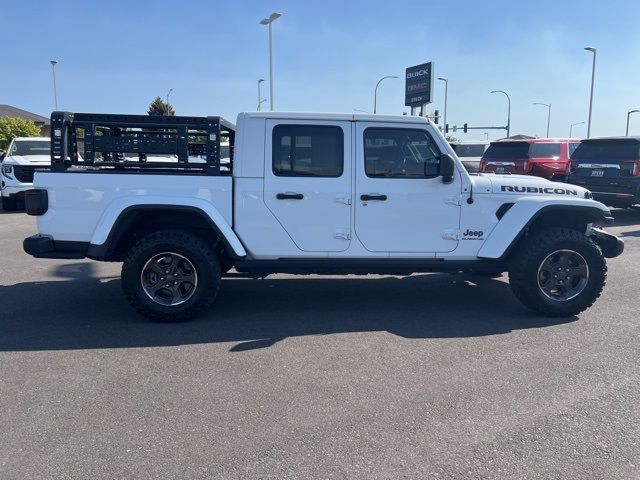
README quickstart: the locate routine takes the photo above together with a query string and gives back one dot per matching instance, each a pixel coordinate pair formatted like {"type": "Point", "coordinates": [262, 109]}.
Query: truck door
{"type": "Point", "coordinates": [307, 182]}
{"type": "Point", "coordinates": [401, 203]}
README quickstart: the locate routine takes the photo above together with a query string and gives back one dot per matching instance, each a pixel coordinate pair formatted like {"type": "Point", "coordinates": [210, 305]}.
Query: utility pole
{"type": "Point", "coordinates": [508, 110]}
{"type": "Point", "coordinates": [375, 92]}
{"type": "Point", "coordinates": [268, 21]}
{"type": "Point", "coordinates": [166, 105]}
{"type": "Point", "coordinates": [593, 77]}
{"type": "Point", "coordinates": [548, 105]}
{"type": "Point", "coordinates": [628, 115]}
{"type": "Point", "coordinates": [446, 91]}
{"type": "Point", "coordinates": [259, 95]}
{"type": "Point", "coordinates": [55, 89]}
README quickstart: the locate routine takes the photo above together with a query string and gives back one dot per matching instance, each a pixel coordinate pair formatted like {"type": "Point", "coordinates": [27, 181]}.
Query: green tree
{"type": "Point", "coordinates": [11, 128]}
{"type": "Point", "coordinates": [451, 139]}
{"type": "Point", "coordinates": [158, 107]}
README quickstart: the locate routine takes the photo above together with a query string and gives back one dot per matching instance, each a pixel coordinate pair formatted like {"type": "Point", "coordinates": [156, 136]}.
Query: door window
{"type": "Point", "coordinates": [307, 151]}
{"type": "Point", "coordinates": [400, 153]}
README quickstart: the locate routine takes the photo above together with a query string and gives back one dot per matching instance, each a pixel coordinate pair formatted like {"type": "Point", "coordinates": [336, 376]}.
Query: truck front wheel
{"type": "Point", "coordinates": [170, 276]}
{"type": "Point", "coordinates": [558, 272]}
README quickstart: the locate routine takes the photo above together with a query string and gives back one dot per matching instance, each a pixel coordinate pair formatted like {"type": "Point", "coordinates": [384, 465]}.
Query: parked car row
{"type": "Point", "coordinates": [23, 156]}
{"type": "Point", "coordinates": [608, 167]}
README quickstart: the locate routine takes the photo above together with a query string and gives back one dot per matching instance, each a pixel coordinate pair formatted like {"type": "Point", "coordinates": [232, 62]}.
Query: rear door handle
{"type": "Point", "coordinates": [373, 196]}
{"type": "Point", "coordinates": [289, 196]}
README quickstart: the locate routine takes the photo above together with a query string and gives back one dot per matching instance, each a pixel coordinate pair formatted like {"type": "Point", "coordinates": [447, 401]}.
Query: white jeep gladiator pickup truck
{"type": "Point", "coordinates": [308, 194]}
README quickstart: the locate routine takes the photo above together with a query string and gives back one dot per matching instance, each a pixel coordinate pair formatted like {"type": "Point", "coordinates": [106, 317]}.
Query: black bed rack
{"type": "Point", "coordinates": [128, 143]}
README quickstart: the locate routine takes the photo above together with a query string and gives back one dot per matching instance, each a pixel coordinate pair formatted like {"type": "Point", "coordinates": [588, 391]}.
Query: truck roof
{"type": "Point", "coordinates": [364, 117]}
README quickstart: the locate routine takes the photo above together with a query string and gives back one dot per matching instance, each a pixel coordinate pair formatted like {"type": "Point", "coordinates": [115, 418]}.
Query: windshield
{"type": "Point", "coordinates": [507, 150]}
{"type": "Point", "coordinates": [607, 151]}
{"type": "Point", "coordinates": [544, 150]}
{"type": "Point", "coordinates": [469, 150]}
{"type": "Point", "coordinates": [30, 147]}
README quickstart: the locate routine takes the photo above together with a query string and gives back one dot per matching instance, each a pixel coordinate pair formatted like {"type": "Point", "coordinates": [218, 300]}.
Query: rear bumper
{"type": "Point", "coordinates": [612, 192]}
{"type": "Point", "coordinates": [44, 246]}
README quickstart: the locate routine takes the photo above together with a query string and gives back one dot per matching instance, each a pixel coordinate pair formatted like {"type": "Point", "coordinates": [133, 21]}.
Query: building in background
{"type": "Point", "coordinates": [39, 120]}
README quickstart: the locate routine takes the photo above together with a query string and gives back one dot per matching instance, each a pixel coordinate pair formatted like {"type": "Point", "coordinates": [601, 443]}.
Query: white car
{"type": "Point", "coordinates": [470, 154]}
{"type": "Point", "coordinates": [308, 193]}
{"type": "Point", "coordinates": [23, 157]}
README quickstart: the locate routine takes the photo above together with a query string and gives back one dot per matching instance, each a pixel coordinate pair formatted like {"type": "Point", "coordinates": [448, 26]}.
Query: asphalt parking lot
{"type": "Point", "coordinates": [429, 376]}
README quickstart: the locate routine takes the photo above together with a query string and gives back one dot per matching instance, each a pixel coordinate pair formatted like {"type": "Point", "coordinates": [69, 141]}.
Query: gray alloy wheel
{"type": "Point", "coordinates": [563, 275]}
{"type": "Point", "coordinates": [169, 279]}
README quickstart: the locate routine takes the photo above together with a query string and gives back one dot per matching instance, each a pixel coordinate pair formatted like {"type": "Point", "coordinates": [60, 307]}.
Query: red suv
{"type": "Point", "coordinates": [542, 157]}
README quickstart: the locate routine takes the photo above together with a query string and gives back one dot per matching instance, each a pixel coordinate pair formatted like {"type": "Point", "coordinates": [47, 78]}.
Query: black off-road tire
{"type": "Point", "coordinates": [526, 260]}
{"type": "Point", "coordinates": [186, 244]}
{"type": "Point", "coordinates": [9, 204]}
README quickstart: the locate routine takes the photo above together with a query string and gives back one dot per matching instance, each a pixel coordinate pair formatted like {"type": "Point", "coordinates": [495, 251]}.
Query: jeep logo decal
{"type": "Point", "coordinates": [549, 190]}
{"type": "Point", "coordinates": [472, 234]}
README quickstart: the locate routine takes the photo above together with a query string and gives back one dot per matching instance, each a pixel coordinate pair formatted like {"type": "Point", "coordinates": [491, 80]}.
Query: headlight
{"type": "Point", "coordinates": [7, 170]}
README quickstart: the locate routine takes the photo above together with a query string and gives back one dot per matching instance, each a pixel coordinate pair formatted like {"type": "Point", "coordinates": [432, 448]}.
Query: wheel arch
{"type": "Point", "coordinates": [133, 221]}
{"type": "Point", "coordinates": [522, 219]}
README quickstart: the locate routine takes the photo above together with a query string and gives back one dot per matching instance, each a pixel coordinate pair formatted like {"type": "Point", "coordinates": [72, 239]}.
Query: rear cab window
{"type": "Point", "coordinates": [545, 150]}
{"type": "Point", "coordinates": [469, 150]}
{"type": "Point", "coordinates": [607, 151]}
{"type": "Point", "coordinates": [507, 150]}
{"type": "Point", "coordinates": [307, 151]}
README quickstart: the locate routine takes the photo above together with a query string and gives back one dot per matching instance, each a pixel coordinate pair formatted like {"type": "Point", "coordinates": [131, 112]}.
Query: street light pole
{"type": "Point", "coordinates": [166, 105]}
{"type": "Point", "coordinates": [375, 92]}
{"type": "Point", "coordinates": [593, 77]}
{"type": "Point", "coordinates": [269, 21]}
{"type": "Point", "coordinates": [55, 89]}
{"type": "Point", "coordinates": [508, 110]}
{"type": "Point", "coordinates": [548, 105]}
{"type": "Point", "coordinates": [446, 89]}
{"type": "Point", "coordinates": [573, 125]}
{"type": "Point", "coordinates": [259, 95]}
{"type": "Point", "coordinates": [628, 115]}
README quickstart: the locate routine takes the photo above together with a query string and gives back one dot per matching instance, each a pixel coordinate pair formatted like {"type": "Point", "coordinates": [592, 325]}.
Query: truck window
{"type": "Point", "coordinates": [400, 153]}
{"type": "Point", "coordinates": [307, 150]}
{"type": "Point", "coordinates": [30, 147]}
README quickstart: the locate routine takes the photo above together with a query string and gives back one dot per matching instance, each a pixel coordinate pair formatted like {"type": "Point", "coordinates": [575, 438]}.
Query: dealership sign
{"type": "Point", "coordinates": [419, 85]}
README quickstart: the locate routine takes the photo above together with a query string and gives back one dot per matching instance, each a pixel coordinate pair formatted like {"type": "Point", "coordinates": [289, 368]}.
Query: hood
{"type": "Point", "coordinates": [528, 185]}
{"type": "Point", "coordinates": [27, 160]}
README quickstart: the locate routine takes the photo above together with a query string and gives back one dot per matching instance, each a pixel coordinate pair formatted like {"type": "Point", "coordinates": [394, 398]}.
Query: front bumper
{"type": "Point", "coordinates": [610, 245]}
{"type": "Point", "coordinates": [44, 246]}
{"type": "Point", "coordinates": [12, 191]}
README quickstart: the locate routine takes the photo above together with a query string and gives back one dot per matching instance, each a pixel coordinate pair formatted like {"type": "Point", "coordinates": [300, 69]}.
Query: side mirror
{"type": "Point", "coordinates": [447, 168]}
{"type": "Point", "coordinates": [2, 154]}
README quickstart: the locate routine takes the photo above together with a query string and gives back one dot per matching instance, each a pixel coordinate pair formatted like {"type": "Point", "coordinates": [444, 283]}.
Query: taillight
{"type": "Point", "coordinates": [36, 202]}
{"type": "Point", "coordinates": [635, 170]}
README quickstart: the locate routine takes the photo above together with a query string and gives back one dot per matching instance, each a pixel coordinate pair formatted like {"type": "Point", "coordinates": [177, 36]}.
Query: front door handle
{"type": "Point", "coordinates": [373, 196]}
{"type": "Point", "coordinates": [289, 196]}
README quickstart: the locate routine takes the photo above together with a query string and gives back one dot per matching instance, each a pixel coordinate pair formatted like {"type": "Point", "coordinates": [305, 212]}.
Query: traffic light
{"type": "Point", "coordinates": [464, 128]}
{"type": "Point", "coordinates": [446, 128]}
{"type": "Point", "coordinates": [436, 117]}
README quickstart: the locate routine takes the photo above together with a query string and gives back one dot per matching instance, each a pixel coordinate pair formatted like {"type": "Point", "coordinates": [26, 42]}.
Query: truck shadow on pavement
{"type": "Point", "coordinates": [83, 311]}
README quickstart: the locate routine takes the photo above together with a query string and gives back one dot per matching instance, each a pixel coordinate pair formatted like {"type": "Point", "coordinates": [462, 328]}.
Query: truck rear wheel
{"type": "Point", "coordinates": [558, 272]}
{"type": "Point", "coordinates": [170, 276]}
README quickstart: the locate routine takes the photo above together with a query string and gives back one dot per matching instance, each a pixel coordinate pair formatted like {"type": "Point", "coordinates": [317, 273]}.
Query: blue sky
{"type": "Point", "coordinates": [117, 56]}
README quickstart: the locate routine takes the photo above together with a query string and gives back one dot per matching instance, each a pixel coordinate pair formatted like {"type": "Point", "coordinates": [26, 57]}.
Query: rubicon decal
{"type": "Point", "coordinates": [548, 190]}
